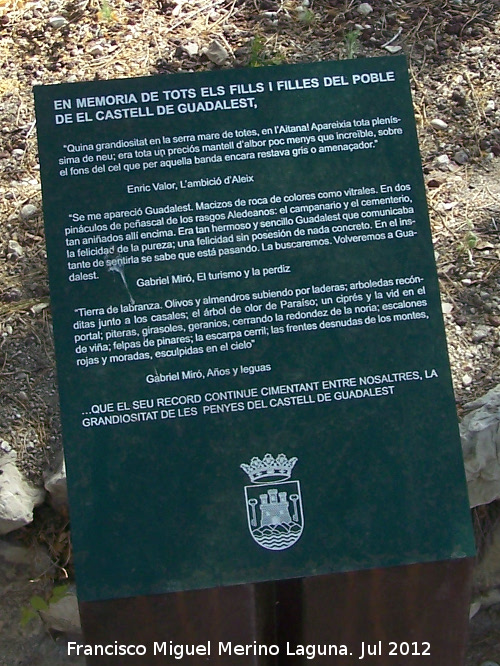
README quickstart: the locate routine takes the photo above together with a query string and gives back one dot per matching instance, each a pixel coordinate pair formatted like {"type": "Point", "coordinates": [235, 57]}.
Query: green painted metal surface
{"type": "Point", "coordinates": [240, 264]}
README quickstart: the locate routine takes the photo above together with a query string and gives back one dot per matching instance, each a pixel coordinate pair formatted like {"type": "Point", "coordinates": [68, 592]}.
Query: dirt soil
{"type": "Point", "coordinates": [453, 51]}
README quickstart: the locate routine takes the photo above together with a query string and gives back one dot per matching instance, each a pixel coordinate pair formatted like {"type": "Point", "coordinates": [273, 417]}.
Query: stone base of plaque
{"type": "Point", "coordinates": [399, 615]}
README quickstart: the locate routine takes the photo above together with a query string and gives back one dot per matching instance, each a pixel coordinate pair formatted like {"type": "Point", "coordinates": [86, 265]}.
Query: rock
{"type": "Point", "coordinates": [434, 182]}
{"type": "Point", "coordinates": [459, 97]}
{"type": "Point", "coordinates": [461, 157]}
{"type": "Point", "coordinates": [178, 7]}
{"type": "Point", "coordinates": [446, 308]}
{"type": "Point", "coordinates": [442, 161]}
{"type": "Point", "coordinates": [57, 22]}
{"type": "Point", "coordinates": [437, 123]}
{"type": "Point", "coordinates": [56, 485]}
{"type": "Point", "coordinates": [5, 446]}
{"type": "Point", "coordinates": [487, 572]}
{"type": "Point", "coordinates": [191, 48]}
{"type": "Point", "coordinates": [490, 598]}
{"type": "Point", "coordinates": [466, 380]}
{"type": "Point", "coordinates": [12, 294]}
{"type": "Point", "coordinates": [480, 333]}
{"type": "Point", "coordinates": [474, 609]}
{"type": "Point", "coordinates": [216, 52]}
{"type": "Point", "coordinates": [96, 50]}
{"type": "Point", "coordinates": [28, 212]}
{"type": "Point", "coordinates": [480, 434]}
{"type": "Point", "coordinates": [14, 250]}
{"type": "Point", "coordinates": [35, 560]}
{"type": "Point", "coordinates": [39, 307]}
{"type": "Point", "coordinates": [364, 9]}
{"type": "Point", "coordinates": [63, 615]}
{"type": "Point", "coordinates": [18, 498]}
{"type": "Point", "coordinates": [392, 48]}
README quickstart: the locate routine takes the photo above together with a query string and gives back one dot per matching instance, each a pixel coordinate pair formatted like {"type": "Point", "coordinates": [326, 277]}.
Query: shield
{"type": "Point", "coordinates": [274, 513]}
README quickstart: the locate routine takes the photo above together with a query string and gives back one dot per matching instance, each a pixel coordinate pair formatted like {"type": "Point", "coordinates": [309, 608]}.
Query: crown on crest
{"type": "Point", "coordinates": [269, 468]}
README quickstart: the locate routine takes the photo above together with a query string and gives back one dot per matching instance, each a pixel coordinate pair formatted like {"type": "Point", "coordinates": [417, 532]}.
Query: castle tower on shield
{"type": "Point", "coordinates": [274, 508]}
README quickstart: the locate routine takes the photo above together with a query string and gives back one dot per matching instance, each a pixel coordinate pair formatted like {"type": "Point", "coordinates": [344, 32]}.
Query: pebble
{"type": "Point", "coordinates": [466, 380]}
{"type": "Point", "coordinates": [443, 161]}
{"type": "Point", "coordinates": [392, 49]}
{"type": "Point", "coordinates": [446, 308]}
{"type": "Point", "coordinates": [480, 333]}
{"type": "Point", "coordinates": [15, 250]}
{"type": "Point", "coordinates": [446, 205]}
{"type": "Point", "coordinates": [28, 212]}
{"type": "Point", "coordinates": [5, 446]}
{"type": "Point", "coordinates": [97, 50]}
{"type": "Point", "coordinates": [437, 123]}
{"type": "Point", "coordinates": [216, 52]}
{"type": "Point", "coordinates": [490, 106]}
{"type": "Point", "coordinates": [461, 157]}
{"type": "Point", "coordinates": [191, 48]}
{"type": "Point", "coordinates": [38, 307]}
{"type": "Point", "coordinates": [18, 152]}
{"type": "Point", "coordinates": [434, 182]}
{"type": "Point", "coordinates": [364, 9]}
{"type": "Point", "coordinates": [57, 22]}
{"type": "Point", "coordinates": [177, 9]}
{"type": "Point", "coordinates": [12, 294]}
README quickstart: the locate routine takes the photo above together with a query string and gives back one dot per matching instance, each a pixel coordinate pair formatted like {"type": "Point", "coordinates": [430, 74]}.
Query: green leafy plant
{"type": "Point", "coordinates": [258, 56]}
{"type": "Point", "coordinates": [38, 603]}
{"type": "Point", "coordinates": [469, 242]}
{"type": "Point", "coordinates": [257, 52]}
{"type": "Point", "coordinates": [106, 12]}
{"type": "Point", "coordinates": [306, 16]}
{"type": "Point", "coordinates": [352, 43]}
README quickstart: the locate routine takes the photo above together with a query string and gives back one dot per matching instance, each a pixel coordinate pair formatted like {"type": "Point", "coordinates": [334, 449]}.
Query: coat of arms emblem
{"type": "Point", "coordinates": [273, 502]}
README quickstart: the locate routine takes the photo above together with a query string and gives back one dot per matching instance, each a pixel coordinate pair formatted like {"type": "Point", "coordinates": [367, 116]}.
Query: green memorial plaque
{"type": "Point", "coordinates": [252, 363]}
